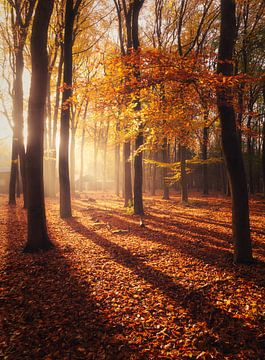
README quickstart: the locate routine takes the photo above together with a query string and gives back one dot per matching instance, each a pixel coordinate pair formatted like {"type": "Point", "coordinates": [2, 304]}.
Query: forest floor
{"type": "Point", "coordinates": [111, 289]}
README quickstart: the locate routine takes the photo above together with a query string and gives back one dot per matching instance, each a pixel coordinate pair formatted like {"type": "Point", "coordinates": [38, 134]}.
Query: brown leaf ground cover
{"type": "Point", "coordinates": [114, 290]}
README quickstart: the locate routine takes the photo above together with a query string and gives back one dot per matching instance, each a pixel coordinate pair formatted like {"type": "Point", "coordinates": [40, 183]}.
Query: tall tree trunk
{"type": "Point", "coordinates": [81, 181]}
{"type": "Point", "coordinates": [38, 238]}
{"type": "Point", "coordinates": [153, 188]}
{"type": "Point", "coordinates": [18, 113]}
{"type": "Point", "coordinates": [82, 150]}
{"type": "Point", "coordinates": [230, 144]}
{"type": "Point", "coordinates": [204, 158]}
{"type": "Point", "coordinates": [53, 181]}
{"type": "Point", "coordinates": [250, 157]}
{"type": "Point", "coordinates": [117, 163]}
{"type": "Point", "coordinates": [72, 161]}
{"type": "Point", "coordinates": [127, 174]}
{"type": "Point", "coordinates": [165, 160]}
{"type": "Point", "coordinates": [65, 193]}
{"type": "Point", "coordinates": [183, 174]}
{"type": "Point", "coordinates": [138, 161]}
{"type": "Point", "coordinates": [263, 143]}
{"type": "Point", "coordinates": [105, 147]}
{"type": "Point", "coordinates": [14, 170]}
{"type": "Point", "coordinates": [138, 176]}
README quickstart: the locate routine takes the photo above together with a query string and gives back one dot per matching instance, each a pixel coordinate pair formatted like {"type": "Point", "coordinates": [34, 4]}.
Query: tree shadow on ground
{"type": "Point", "coordinates": [227, 334]}
{"type": "Point", "coordinates": [49, 312]}
{"type": "Point", "coordinates": [211, 247]}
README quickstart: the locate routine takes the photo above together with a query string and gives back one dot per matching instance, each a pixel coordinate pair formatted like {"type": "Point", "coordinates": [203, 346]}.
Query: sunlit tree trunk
{"type": "Point", "coordinates": [72, 161]}
{"type": "Point", "coordinates": [230, 143]}
{"type": "Point", "coordinates": [81, 182]}
{"type": "Point", "coordinates": [53, 181]}
{"type": "Point", "coordinates": [38, 238]}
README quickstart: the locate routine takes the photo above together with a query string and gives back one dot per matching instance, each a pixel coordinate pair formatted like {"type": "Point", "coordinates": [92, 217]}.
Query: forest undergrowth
{"type": "Point", "coordinates": [111, 289]}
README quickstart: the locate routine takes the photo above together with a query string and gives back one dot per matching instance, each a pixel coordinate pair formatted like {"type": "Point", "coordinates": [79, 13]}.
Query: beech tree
{"type": "Point", "coordinates": [65, 194]}
{"type": "Point", "coordinates": [38, 238]}
{"type": "Point", "coordinates": [231, 147]}
{"type": "Point", "coordinates": [21, 14]}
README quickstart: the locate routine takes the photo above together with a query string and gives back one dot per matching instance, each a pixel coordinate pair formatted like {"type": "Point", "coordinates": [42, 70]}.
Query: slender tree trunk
{"type": "Point", "coordinates": [18, 183]}
{"type": "Point", "coordinates": [72, 161]}
{"type": "Point", "coordinates": [183, 174]}
{"type": "Point", "coordinates": [38, 238]}
{"type": "Point", "coordinates": [14, 171]}
{"type": "Point", "coordinates": [250, 157]}
{"type": "Point", "coordinates": [230, 144]}
{"type": "Point", "coordinates": [263, 144]}
{"type": "Point", "coordinates": [165, 160]}
{"type": "Point", "coordinates": [18, 114]}
{"type": "Point", "coordinates": [81, 182]}
{"type": "Point", "coordinates": [138, 176]}
{"type": "Point", "coordinates": [65, 192]}
{"type": "Point", "coordinates": [138, 161]}
{"type": "Point", "coordinates": [127, 174]}
{"type": "Point", "coordinates": [95, 158]}
{"type": "Point", "coordinates": [117, 163]}
{"type": "Point", "coordinates": [53, 181]}
{"type": "Point", "coordinates": [82, 150]}
{"type": "Point", "coordinates": [105, 147]}
{"type": "Point", "coordinates": [205, 157]}
{"type": "Point", "coordinates": [153, 188]}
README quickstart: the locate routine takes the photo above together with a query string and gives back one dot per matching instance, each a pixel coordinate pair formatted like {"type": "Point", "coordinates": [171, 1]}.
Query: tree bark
{"type": "Point", "coordinates": [165, 160]}
{"type": "Point", "coordinates": [14, 170]}
{"type": "Point", "coordinates": [127, 174]}
{"type": "Point", "coordinates": [53, 178]}
{"type": "Point", "coordinates": [204, 158]}
{"type": "Point", "coordinates": [38, 238]}
{"type": "Point", "coordinates": [263, 144]}
{"type": "Point", "coordinates": [65, 192]}
{"type": "Point", "coordinates": [183, 174]}
{"type": "Point", "coordinates": [230, 144]}
{"type": "Point", "coordinates": [138, 161]}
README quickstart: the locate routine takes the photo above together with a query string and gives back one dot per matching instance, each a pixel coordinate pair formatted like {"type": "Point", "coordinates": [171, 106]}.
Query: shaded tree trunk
{"type": "Point", "coordinates": [165, 160]}
{"type": "Point", "coordinates": [205, 157]}
{"type": "Point", "coordinates": [263, 144]}
{"type": "Point", "coordinates": [138, 162]}
{"type": "Point", "coordinates": [72, 161]}
{"type": "Point", "coordinates": [38, 238]}
{"type": "Point", "coordinates": [230, 144]}
{"type": "Point", "coordinates": [153, 184]}
{"type": "Point", "coordinates": [14, 171]}
{"type": "Point", "coordinates": [65, 193]}
{"type": "Point", "coordinates": [127, 174]}
{"type": "Point", "coordinates": [183, 174]}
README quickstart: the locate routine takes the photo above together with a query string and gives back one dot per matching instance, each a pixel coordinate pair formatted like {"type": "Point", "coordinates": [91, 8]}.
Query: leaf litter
{"type": "Point", "coordinates": [168, 290]}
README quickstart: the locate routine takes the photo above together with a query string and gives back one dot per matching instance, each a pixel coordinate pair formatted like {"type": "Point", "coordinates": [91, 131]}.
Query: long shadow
{"type": "Point", "coordinates": [48, 309]}
{"type": "Point", "coordinates": [226, 333]}
{"type": "Point", "coordinates": [206, 250]}
{"type": "Point", "coordinates": [204, 231]}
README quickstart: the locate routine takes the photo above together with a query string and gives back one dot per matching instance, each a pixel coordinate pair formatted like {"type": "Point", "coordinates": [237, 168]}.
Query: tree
{"type": "Point", "coordinates": [38, 238]}
{"type": "Point", "coordinates": [65, 195]}
{"type": "Point", "coordinates": [230, 144]}
{"type": "Point", "coordinates": [21, 14]}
